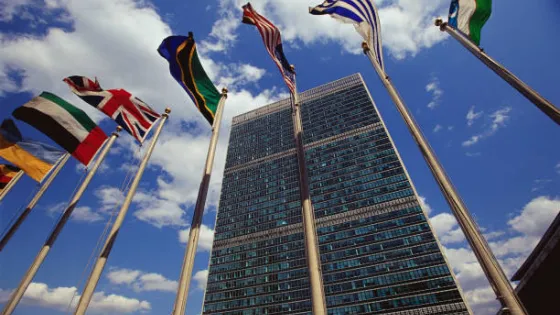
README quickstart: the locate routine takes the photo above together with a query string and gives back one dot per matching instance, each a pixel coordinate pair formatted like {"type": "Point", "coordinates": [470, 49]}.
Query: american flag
{"type": "Point", "coordinates": [273, 42]}
{"type": "Point", "coordinates": [131, 113]}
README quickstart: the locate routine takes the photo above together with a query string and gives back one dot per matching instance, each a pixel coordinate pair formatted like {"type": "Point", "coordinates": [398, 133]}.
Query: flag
{"type": "Point", "coordinates": [34, 158]}
{"type": "Point", "coordinates": [469, 16]}
{"type": "Point", "coordinates": [7, 172]}
{"type": "Point", "coordinates": [273, 43]}
{"type": "Point", "coordinates": [65, 124]}
{"type": "Point", "coordinates": [185, 67]}
{"type": "Point", "coordinates": [361, 13]}
{"type": "Point", "coordinates": [129, 112]}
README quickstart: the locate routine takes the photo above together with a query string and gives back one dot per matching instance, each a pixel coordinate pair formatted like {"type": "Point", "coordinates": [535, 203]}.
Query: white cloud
{"type": "Point", "coordinates": [141, 281]}
{"type": "Point", "coordinates": [473, 154]}
{"type": "Point", "coordinates": [535, 216]}
{"type": "Point", "coordinates": [472, 116]}
{"type": "Point", "coordinates": [436, 91]}
{"type": "Point", "coordinates": [446, 228]}
{"type": "Point", "coordinates": [109, 197]}
{"type": "Point", "coordinates": [511, 249]}
{"type": "Point", "coordinates": [298, 26]}
{"type": "Point", "coordinates": [80, 213]}
{"type": "Point", "coordinates": [205, 240]}
{"type": "Point", "coordinates": [437, 128]}
{"type": "Point", "coordinates": [59, 298]}
{"type": "Point", "coordinates": [427, 208]}
{"type": "Point", "coordinates": [498, 121]}
{"type": "Point", "coordinates": [557, 167]}
{"type": "Point", "coordinates": [201, 278]}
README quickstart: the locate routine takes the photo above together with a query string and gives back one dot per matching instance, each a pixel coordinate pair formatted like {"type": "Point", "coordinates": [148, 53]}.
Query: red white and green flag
{"type": "Point", "coordinates": [65, 124]}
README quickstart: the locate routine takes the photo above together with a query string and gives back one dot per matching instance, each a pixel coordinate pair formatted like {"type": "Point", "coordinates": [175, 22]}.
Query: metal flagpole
{"type": "Point", "coordinates": [6, 238]}
{"type": "Point", "coordinates": [308, 215]}
{"type": "Point", "coordinates": [488, 262]}
{"type": "Point", "coordinates": [543, 104]}
{"type": "Point", "coordinates": [30, 274]}
{"type": "Point", "coordinates": [192, 244]}
{"type": "Point", "coordinates": [11, 184]}
{"type": "Point", "coordinates": [112, 236]}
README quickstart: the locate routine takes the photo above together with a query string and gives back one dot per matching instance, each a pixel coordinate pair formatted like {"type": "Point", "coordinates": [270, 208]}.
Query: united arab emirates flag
{"type": "Point", "coordinates": [469, 16]}
{"type": "Point", "coordinates": [185, 67]}
{"type": "Point", "coordinates": [65, 124]}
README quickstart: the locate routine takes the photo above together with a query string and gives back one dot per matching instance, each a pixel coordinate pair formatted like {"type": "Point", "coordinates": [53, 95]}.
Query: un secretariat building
{"type": "Point", "coordinates": [378, 252]}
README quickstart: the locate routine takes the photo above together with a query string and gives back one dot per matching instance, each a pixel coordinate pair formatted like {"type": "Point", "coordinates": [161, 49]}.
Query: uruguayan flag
{"type": "Point", "coordinates": [361, 13]}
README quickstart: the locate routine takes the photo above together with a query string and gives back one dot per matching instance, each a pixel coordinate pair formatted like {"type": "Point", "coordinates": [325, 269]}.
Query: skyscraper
{"type": "Point", "coordinates": [378, 252]}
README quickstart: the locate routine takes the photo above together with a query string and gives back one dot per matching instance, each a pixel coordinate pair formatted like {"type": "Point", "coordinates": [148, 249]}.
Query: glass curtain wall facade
{"type": "Point", "coordinates": [378, 252]}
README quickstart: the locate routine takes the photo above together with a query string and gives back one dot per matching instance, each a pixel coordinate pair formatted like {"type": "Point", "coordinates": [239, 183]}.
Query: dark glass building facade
{"type": "Point", "coordinates": [378, 252]}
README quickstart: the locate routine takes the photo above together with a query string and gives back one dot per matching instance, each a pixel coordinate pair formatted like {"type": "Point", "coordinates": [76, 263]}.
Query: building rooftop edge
{"type": "Point", "coordinates": [520, 273]}
{"type": "Point", "coordinates": [326, 88]}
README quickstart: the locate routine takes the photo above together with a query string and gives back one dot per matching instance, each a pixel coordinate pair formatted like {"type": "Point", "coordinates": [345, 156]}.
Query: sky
{"type": "Point", "coordinates": [497, 148]}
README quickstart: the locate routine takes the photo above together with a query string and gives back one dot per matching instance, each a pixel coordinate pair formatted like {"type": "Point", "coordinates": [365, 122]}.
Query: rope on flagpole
{"type": "Point", "coordinates": [97, 249]}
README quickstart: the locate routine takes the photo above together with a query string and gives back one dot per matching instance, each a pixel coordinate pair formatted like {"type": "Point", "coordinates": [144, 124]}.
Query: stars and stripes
{"type": "Point", "coordinates": [273, 43]}
{"type": "Point", "coordinates": [131, 113]}
{"type": "Point", "coordinates": [361, 13]}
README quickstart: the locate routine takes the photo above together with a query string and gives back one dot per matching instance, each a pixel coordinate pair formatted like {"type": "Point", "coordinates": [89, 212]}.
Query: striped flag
{"type": "Point", "coordinates": [34, 158]}
{"type": "Point", "coordinates": [361, 13]}
{"type": "Point", "coordinates": [135, 116]}
{"type": "Point", "coordinates": [65, 124]}
{"type": "Point", "coordinates": [273, 43]}
{"type": "Point", "coordinates": [469, 16]}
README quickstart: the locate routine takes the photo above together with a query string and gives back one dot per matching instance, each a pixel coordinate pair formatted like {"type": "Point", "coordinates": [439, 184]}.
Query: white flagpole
{"type": "Point", "coordinates": [310, 231]}
{"type": "Point", "coordinates": [192, 244]}
{"type": "Point", "coordinates": [30, 274]}
{"type": "Point", "coordinates": [6, 238]}
{"type": "Point", "coordinates": [488, 262]}
{"type": "Point", "coordinates": [542, 103]}
{"type": "Point", "coordinates": [11, 185]}
{"type": "Point", "coordinates": [112, 236]}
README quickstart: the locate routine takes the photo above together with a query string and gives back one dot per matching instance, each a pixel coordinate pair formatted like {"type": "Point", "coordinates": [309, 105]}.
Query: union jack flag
{"type": "Point", "coordinates": [131, 113]}
{"type": "Point", "coordinates": [273, 43]}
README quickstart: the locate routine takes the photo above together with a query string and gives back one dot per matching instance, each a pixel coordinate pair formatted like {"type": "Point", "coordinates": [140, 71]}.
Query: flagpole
{"type": "Point", "coordinates": [89, 288]}
{"type": "Point", "coordinates": [11, 184]}
{"type": "Point", "coordinates": [192, 244]}
{"type": "Point", "coordinates": [310, 231]}
{"type": "Point", "coordinates": [30, 274]}
{"type": "Point", "coordinates": [488, 262]}
{"type": "Point", "coordinates": [543, 104]}
{"type": "Point", "coordinates": [10, 233]}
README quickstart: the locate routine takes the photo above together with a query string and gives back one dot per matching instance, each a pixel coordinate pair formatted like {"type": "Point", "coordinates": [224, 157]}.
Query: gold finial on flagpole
{"type": "Point", "coordinates": [224, 92]}
{"type": "Point", "coordinates": [365, 47]}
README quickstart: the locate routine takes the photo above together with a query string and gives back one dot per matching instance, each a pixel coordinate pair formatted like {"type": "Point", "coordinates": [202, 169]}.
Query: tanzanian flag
{"type": "Point", "coordinates": [7, 173]}
{"type": "Point", "coordinates": [34, 158]}
{"type": "Point", "coordinates": [469, 16]}
{"type": "Point", "coordinates": [185, 67]}
{"type": "Point", "coordinates": [65, 124]}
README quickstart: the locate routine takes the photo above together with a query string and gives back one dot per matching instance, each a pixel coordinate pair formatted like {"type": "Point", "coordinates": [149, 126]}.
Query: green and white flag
{"type": "Point", "coordinates": [65, 124]}
{"type": "Point", "coordinates": [469, 16]}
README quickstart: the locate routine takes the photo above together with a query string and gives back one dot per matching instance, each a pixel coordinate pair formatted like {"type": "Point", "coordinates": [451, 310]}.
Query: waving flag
{"type": "Point", "coordinates": [186, 69]}
{"type": "Point", "coordinates": [469, 16]}
{"type": "Point", "coordinates": [65, 124]}
{"type": "Point", "coordinates": [7, 173]}
{"type": "Point", "coordinates": [361, 13]}
{"type": "Point", "coordinates": [273, 43]}
{"type": "Point", "coordinates": [36, 159]}
{"type": "Point", "coordinates": [135, 116]}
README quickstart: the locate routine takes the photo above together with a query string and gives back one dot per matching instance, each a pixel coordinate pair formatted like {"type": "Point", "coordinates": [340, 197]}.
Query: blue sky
{"type": "Point", "coordinates": [495, 145]}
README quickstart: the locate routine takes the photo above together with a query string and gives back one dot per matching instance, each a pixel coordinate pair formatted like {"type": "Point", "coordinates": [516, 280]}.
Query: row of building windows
{"type": "Point", "coordinates": [367, 281]}
{"type": "Point", "coordinates": [389, 292]}
{"type": "Point", "coordinates": [379, 218]}
{"type": "Point", "coordinates": [289, 275]}
{"type": "Point", "coordinates": [375, 248]}
{"type": "Point", "coordinates": [398, 304]}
